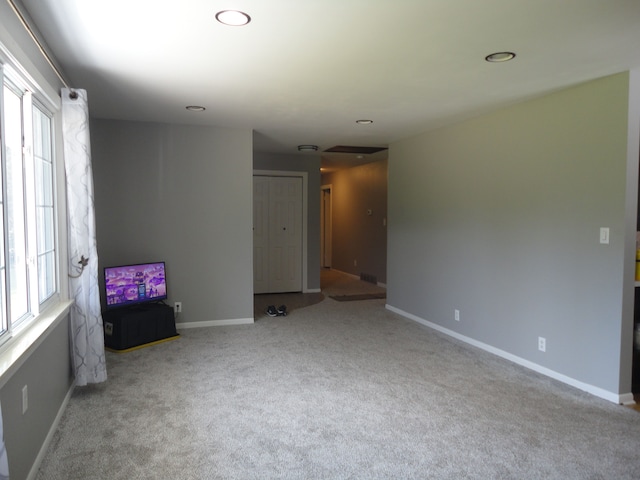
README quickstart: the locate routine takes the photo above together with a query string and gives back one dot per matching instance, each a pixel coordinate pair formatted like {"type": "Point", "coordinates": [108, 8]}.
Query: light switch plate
{"type": "Point", "coordinates": [604, 235]}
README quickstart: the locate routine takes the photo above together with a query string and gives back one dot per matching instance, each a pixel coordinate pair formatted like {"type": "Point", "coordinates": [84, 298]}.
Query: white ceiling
{"type": "Point", "coordinates": [303, 71]}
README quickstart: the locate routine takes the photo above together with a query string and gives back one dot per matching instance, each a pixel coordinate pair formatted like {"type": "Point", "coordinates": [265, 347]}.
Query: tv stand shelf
{"type": "Point", "coordinates": [132, 327]}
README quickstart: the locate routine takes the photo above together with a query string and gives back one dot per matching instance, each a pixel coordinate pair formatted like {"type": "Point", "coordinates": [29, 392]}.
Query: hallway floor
{"type": "Point", "coordinates": [332, 283]}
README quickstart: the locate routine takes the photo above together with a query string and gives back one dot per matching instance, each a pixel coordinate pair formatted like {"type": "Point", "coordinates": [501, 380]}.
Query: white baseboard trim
{"type": "Point", "coordinates": [627, 399]}
{"type": "Point", "coordinates": [624, 399]}
{"type": "Point", "coordinates": [312, 290]}
{"type": "Point", "coordinates": [214, 323]}
{"type": "Point", "coordinates": [52, 430]}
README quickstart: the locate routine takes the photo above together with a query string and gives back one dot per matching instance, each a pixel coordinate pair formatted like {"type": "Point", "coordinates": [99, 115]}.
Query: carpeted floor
{"type": "Point", "coordinates": [335, 390]}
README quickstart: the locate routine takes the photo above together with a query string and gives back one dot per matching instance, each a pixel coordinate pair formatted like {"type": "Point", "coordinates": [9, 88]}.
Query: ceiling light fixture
{"type": "Point", "coordinates": [500, 57]}
{"type": "Point", "coordinates": [195, 108]}
{"type": "Point", "coordinates": [307, 148]}
{"type": "Point", "coordinates": [364, 122]}
{"type": "Point", "coordinates": [233, 18]}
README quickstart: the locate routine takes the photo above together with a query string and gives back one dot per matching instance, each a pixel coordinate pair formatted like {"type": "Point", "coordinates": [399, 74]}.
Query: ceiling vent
{"type": "Point", "coordinates": [355, 150]}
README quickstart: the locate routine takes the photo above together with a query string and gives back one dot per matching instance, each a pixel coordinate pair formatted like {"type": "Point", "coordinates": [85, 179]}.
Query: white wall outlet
{"type": "Point", "coordinates": [177, 307]}
{"type": "Point", "coordinates": [542, 344]}
{"type": "Point", "coordinates": [25, 399]}
{"type": "Point", "coordinates": [604, 235]}
{"type": "Point", "coordinates": [456, 315]}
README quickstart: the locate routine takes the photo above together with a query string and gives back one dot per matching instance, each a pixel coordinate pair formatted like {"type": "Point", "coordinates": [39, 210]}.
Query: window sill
{"type": "Point", "coordinates": [18, 349]}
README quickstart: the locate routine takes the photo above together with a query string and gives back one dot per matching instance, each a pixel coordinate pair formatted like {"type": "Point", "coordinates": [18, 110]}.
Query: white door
{"type": "Point", "coordinates": [277, 212]}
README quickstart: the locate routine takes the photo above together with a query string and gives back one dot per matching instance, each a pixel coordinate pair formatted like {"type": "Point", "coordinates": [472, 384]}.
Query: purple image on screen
{"type": "Point", "coordinates": [129, 284]}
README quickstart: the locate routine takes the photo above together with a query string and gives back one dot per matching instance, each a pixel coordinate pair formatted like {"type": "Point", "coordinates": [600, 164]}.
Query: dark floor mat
{"type": "Point", "coordinates": [292, 301]}
{"type": "Point", "coordinates": [364, 296]}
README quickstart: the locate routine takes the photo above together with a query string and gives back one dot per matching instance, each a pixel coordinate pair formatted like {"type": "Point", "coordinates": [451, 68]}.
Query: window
{"type": "Point", "coordinates": [45, 226]}
{"type": "Point", "coordinates": [28, 276]}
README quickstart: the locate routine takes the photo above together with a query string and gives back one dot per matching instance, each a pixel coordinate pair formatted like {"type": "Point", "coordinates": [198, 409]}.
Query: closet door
{"type": "Point", "coordinates": [277, 237]}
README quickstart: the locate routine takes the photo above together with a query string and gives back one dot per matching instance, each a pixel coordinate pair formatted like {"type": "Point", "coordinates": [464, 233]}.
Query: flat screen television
{"type": "Point", "coordinates": [127, 285]}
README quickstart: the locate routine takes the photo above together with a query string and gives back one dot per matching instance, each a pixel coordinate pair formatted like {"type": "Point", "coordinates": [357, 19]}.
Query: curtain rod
{"type": "Point", "coordinates": [44, 53]}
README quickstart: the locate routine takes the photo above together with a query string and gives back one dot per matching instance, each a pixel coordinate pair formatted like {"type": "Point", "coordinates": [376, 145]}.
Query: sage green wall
{"type": "Point", "coordinates": [499, 217]}
{"type": "Point", "coordinates": [356, 234]}
{"type": "Point", "coordinates": [181, 194]}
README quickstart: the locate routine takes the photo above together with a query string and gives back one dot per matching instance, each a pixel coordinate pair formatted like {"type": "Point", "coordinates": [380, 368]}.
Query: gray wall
{"type": "Point", "coordinates": [47, 374]}
{"type": "Point", "coordinates": [357, 235]}
{"type": "Point", "coordinates": [15, 38]}
{"type": "Point", "coordinates": [181, 194]}
{"type": "Point", "coordinates": [499, 217]}
{"type": "Point", "coordinates": [311, 165]}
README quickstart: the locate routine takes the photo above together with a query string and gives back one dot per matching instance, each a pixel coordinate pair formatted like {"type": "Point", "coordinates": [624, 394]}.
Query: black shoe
{"type": "Point", "coordinates": [271, 311]}
{"type": "Point", "coordinates": [282, 310]}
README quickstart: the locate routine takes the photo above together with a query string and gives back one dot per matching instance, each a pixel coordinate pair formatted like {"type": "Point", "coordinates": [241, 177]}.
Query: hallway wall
{"type": "Point", "coordinates": [359, 238]}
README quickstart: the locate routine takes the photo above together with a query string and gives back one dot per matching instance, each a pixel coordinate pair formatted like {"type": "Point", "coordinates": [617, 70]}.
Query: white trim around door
{"type": "Point", "coordinates": [305, 213]}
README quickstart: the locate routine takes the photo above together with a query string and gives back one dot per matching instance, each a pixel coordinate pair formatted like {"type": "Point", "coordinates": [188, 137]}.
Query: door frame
{"type": "Point", "coordinates": [305, 207]}
{"type": "Point", "coordinates": [324, 235]}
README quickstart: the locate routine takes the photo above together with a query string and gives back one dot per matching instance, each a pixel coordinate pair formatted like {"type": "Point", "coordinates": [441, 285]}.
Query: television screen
{"type": "Point", "coordinates": [133, 284]}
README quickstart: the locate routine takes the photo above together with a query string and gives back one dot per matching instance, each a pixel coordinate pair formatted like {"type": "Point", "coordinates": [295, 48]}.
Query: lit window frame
{"type": "Point", "coordinates": [32, 105]}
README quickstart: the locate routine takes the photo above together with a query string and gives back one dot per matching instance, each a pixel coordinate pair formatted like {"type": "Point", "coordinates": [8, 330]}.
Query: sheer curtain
{"type": "Point", "coordinates": [87, 337]}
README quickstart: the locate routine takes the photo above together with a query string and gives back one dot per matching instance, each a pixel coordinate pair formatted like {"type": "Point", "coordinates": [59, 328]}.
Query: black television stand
{"type": "Point", "coordinates": [136, 326]}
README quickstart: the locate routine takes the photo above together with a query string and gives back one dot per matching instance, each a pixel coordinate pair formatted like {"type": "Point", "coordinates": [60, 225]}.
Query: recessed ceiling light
{"type": "Point", "coordinates": [234, 18]}
{"type": "Point", "coordinates": [195, 108]}
{"type": "Point", "coordinates": [500, 57]}
{"type": "Point", "coordinates": [364, 122]}
{"type": "Point", "coordinates": [307, 148]}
